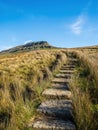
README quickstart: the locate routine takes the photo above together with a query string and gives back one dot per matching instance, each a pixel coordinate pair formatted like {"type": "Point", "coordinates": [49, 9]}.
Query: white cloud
{"type": "Point", "coordinates": [77, 26]}
{"type": "Point", "coordinates": [5, 47]}
{"type": "Point", "coordinates": [29, 41]}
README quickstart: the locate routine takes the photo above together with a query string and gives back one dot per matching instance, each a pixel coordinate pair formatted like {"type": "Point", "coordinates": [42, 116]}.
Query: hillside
{"type": "Point", "coordinates": [88, 47]}
{"type": "Point", "coordinates": [25, 76]}
{"type": "Point", "coordinates": [29, 47]}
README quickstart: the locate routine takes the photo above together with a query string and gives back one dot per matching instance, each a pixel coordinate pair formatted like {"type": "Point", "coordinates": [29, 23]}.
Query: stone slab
{"type": "Point", "coordinates": [62, 75]}
{"type": "Point", "coordinates": [57, 108]}
{"type": "Point", "coordinates": [53, 124]}
{"type": "Point", "coordinates": [57, 93]}
{"type": "Point", "coordinates": [60, 80]}
{"type": "Point", "coordinates": [67, 71]}
{"type": "Point", "coordinates": [60, 86]}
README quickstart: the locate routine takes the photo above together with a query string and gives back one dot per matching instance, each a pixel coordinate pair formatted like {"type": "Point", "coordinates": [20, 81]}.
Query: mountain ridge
{"type": "Point", "coordinates": [29, 46]}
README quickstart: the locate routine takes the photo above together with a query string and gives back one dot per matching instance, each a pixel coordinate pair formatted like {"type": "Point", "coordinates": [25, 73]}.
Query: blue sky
{"type": "Point", "coordinates": [63, 23]}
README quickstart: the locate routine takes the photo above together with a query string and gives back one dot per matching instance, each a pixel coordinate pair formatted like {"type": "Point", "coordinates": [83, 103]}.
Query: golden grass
{"type": "Point", "coordinates": [85, 89]}
{"type": "Point", "coordinates": [83, 114]}
{"type": "Point", "coordinates": [89, 57]}
{"type": "Point", "coordinates": [23, 77]}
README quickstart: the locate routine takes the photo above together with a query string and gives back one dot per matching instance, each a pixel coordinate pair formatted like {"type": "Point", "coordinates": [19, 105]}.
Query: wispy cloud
{"type": "Point", "coordinates": [77, 26]}
{"type": "Point", "coordinates": [86, 9]}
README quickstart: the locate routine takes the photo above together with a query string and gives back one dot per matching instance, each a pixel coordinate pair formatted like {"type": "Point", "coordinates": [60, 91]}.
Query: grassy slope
{"type": "Point", "coordinates": [23, 76]}
{"type": "Point", "coordinates": [85, 89]}
{"type": "Point", "coordinates": [20, 91]}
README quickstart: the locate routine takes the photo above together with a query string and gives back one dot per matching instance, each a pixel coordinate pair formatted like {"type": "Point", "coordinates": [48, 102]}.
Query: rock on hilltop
{"type": "Point", "coordinates": [29, 46]}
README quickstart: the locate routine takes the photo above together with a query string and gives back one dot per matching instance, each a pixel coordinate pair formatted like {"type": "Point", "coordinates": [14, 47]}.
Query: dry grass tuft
{"type": "Point", "coordinates": [84, 88]}
{"type": "Point", "coordinates": [83, 113]}
{"type": "Point", "coordinates": [23, 77]}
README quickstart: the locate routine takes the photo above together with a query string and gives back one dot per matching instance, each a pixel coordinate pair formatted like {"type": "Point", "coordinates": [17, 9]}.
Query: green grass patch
{"type": "Point", "coordinates": [83, 87]}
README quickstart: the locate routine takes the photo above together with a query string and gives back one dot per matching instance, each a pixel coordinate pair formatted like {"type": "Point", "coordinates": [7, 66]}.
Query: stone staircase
{"type": "Point", "coordinates": [56, 112]}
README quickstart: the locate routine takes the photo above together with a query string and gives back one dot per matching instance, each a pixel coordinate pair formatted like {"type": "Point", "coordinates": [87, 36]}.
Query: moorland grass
{"type": "Point", "coordinates": [84, 89]}
{"type": "Point", "coordinates": [23, 77]}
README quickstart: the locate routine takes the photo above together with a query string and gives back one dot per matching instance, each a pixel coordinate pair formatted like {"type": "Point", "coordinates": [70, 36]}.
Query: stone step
{"type": "Point", "coordinates": [60, 86]}
{"type": "Point", "coordinates": [56, 111]}
{"type": "Point", "coordinates": [66, 71]}
{"type": "Point", "coordinates": [72, 59]}
{"type": "Point", "coordinates": [57, 108]}
{"type": "Point", "coordinates": [73, 62]}
{"type": "Point", "coordinates": [67, 68]}
{"type": "Point", "coordinates": [54, 93]}
{"type": "Point", "coordinates": [52, 124]}
{"type": "Point", "coordinates": [62, 75]}
{"type": "Point", "coordinates": [69, 65]}
{"type": "Point", "coordinates": [60, 80]}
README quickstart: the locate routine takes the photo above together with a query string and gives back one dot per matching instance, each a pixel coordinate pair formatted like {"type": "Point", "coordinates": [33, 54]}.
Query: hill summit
{"type": "Point", "coordinates": [28, 46]}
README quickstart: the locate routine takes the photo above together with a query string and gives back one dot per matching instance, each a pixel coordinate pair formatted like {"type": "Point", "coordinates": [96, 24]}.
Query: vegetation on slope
{"type": "Point", "coordinates": [85, 90]}
{"type": "Point", "coordinates": [29, 47]}
{"type": "Point", "coordinates": [23, 76]}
